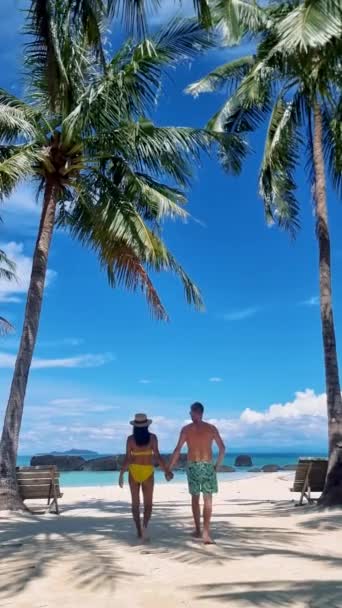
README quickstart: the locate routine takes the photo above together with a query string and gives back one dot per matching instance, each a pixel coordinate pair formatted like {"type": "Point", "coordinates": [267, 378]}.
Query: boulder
{"type": "Point", "coordinates": [290, 467]}
{"type": "Point", "coordinates": [64, 463]}
{"type": "Point", "coordinates": [271, 468]}
{"type": "Point", "coordinates": [104, 463]}
{"type": "Point", "coordinates": [114, 463]}
{"type": "Point", "coordinates": [225, 469]}
{"type": "Point", "coordinates": [254, 470]}
{"type": "Point", "coordinates": [243, 461]}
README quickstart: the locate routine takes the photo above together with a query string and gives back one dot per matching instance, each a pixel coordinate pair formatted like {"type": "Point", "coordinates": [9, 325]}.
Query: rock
{"type": "Point", "coordinates": [64, 463]}
{"type": "Point", "coordinates": [290, 467]}
{"type": "Point", "coordinates": [225, 469]}
{"type": "Point", "coordinates": [104, 463]}
{"type": "Point", "coordinates": [243, 461]}
{"type": "Point", "coordinates": [271, 468]}
{"type": "Point", "coordinates": [254, 470]}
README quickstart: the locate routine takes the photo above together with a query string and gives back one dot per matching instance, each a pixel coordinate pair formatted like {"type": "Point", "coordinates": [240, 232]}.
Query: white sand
{"type": "Point", "coordinates": [88, 556]}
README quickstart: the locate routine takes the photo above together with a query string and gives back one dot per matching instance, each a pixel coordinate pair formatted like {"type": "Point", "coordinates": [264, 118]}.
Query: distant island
{"type": "Point", "coordinates": [75, 453]}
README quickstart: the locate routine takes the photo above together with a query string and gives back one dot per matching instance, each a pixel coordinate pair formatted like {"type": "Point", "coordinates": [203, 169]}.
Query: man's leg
{"type": "Point", "coordinates": [207, 511]}
{"type": "Point", "coordinates": [196, 511]}
{"type": "Point", "coordinates": [147, 488]}
{"type": "Point", "coordinates": [135, 492]}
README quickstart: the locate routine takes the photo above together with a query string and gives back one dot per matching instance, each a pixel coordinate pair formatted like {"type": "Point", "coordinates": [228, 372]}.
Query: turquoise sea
{"type": "Point", "coordinates": [108, 478]}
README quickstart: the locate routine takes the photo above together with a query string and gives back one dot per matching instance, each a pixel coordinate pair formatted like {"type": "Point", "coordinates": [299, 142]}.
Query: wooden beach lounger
{"type": "Point", "coordinates": [310, 477]}
{"type": "Point", "coordinates": [38, 483]}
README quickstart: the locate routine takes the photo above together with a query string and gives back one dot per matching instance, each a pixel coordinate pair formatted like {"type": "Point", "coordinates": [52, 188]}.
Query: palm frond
{"type": "Point", "coordinates": [281, 154]}
{"type": "Point", "coordinates": [311, 24]}
{"type": "Point", "coordinates": [226, 76]}
{"type": "Point", "coordinates": [91, 16]}
{"type": "Point", "coordinates": [238, 18]}
{"type": "Point", "coordinates": [203, 10]}
{"type": "Point", "coordinates": [5, 326]}
{"type": "Point", "coordinates": [18, 165]}
{"type": "Point", "coordinates": [332, 123]}
{"type": "Point", "coordinates": [43, 57]}
{"type": "Point", "coordinates": [132, 13]}
{"type": "Point", "coordinates": [7, 267]}
{"type": "Point", "coordinates": [125, 245]}
{"type": "Point", "coordinates": [192, 293]}
{"type": "Point", "coordinates": [232, 151]}
{"type": "Point", "coordinates": [131, 81]}
{"type": "Point", "coordinates": [125, 268]}
{"type": "Point", "coordinates": [16, 118]}
{"type": "Point", "coordinates": [247, 107]}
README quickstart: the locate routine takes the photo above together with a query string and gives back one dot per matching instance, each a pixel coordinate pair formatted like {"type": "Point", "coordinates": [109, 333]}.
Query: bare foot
{"type": "Point", "coordinates": [196, 534]}
{"type": "Point", "coordinates": [207, 539]}
{"type": "Point", "coordinates": [145, 536]}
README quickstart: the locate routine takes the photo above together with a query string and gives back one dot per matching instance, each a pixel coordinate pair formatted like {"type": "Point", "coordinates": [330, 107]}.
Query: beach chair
{"type": "Point", "coordinates": [310, 477]}
{"type": "Point", "coordinates": [40, 482]}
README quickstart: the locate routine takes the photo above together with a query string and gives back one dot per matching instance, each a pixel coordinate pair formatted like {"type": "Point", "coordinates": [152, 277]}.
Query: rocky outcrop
{"type": "Point", "coordinates": [64, 463]}
{"type": "Point", "coordinates": [114, 463]}
{"type": "Point", "coordinates": [104, 463]}
{"type": "Point", "coordinates": [243, 461]}
{"type": "Point", "coordinates": [271, 468]}
{"type": "Point", "coordinates": [225, 469]}
{"type": "Point", "coordinates": [290, 467]}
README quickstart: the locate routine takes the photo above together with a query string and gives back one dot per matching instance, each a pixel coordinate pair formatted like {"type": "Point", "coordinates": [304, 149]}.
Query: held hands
{"type": "Point", "coordinates": [169, 475]}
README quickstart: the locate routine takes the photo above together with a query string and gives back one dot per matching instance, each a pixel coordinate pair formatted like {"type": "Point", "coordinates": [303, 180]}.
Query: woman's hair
{"type": "Point", "coordinates": [142, 435]}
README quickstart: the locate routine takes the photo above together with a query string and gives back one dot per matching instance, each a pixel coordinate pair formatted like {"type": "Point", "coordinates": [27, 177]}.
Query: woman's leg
{"type": "Point", "coordinates": [135, 492]}
{"type": "Point", "coordinates": [147, 488]}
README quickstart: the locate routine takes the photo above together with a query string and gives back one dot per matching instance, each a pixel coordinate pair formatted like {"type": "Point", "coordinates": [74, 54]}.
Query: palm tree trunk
{"type": "Point", "coordinates": [332, 494]}
{"type": "Point", "coordinates": [9, 498]}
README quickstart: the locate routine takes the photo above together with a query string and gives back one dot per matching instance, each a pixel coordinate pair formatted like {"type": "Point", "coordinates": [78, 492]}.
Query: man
{"type": "Point", "coordinates": [199, 437]}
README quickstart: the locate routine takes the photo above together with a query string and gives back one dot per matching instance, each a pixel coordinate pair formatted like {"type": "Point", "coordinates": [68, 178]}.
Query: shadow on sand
{"type": "Point", "coordinates": [94, 541]}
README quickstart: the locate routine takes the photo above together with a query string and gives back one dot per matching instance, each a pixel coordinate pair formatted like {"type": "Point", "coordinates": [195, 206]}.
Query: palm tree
{"type": "Point", "coordinates": [107, 174]}
{"type": "Point", "coordinates": [294, 79]}
{"type": "Point", "coordinates": [7, 272]}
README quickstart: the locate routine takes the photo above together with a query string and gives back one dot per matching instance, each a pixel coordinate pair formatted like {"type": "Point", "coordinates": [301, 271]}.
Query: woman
{"type": "Point", "coordinates": [141, 452]}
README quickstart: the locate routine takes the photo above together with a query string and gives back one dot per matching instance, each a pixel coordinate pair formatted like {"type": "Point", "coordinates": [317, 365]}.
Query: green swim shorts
{"type": "Point", "coordinates": [201, 478]}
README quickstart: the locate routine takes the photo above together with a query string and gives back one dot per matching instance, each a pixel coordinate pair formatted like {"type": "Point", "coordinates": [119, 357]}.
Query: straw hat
{"type": "Point", "coordinates": [141, 421]}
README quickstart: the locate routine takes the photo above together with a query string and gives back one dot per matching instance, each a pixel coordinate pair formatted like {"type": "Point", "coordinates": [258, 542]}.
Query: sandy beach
{"type": "Point", "coordinates": [268, 552]}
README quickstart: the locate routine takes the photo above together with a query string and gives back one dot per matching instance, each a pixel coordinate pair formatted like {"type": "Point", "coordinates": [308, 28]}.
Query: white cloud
{"type": "Point", "coordinates": [306, 403]}
{"type": "Point", "coordinates": [313, 301]}
{"type": "Point", "coordinates": [299, 425]}
{"type": "Point", "coordinates": [8, 361]}
{"type": "Point", "coordinates": [215, 379]}
{"type": "Point", "coordinates": [240, 315]}
{"type": "Point", "coordinates": [11, 291]}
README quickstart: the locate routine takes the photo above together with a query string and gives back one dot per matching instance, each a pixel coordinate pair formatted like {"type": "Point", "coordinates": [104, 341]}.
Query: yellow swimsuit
{"type": "Point", "coordinates": [141, 472]}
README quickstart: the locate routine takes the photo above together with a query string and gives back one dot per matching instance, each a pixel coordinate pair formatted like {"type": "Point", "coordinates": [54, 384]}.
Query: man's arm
{"type": "Point", "coordinates": [125, 464]}
{"type": "Point", "coordinates": [176, 453]}
{"type": "Point", "coordinates": [222, 449]}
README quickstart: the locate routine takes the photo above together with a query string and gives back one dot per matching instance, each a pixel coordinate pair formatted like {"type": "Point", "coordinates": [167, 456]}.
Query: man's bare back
{"type": "Point", "coordinates": [199, 438]}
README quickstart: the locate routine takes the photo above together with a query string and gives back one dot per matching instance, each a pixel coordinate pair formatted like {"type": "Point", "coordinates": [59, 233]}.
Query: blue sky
{"type": "Point", "coordinates": [100, 357]}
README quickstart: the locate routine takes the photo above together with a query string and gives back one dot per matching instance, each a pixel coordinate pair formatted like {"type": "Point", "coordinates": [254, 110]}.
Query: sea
{"type": "Point", "coordinates": [108, 478]}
